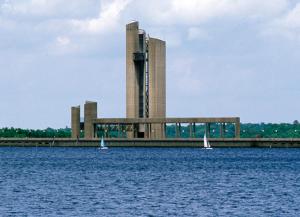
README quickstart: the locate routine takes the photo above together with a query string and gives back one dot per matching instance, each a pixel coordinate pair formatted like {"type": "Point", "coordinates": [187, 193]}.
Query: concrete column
{"type": "Point", "coordinates": [107, 130]}
{"type": "Point", "coordinates": [147, 134]}
{"type": "Point", "coordinates": [238, 128]}
{"type": "Point", "coordinates": [176, 130]}
{"type": "Point", "coordinates": [118, 130]}
{"type": "Point", "coordinates": [90, 114]}
{"type": "Point", "coordinates": [222, 130]}
{"type": "Point", "coordinates": [194, 130]}
{"type": "Point", "coordinates": [162, 130]}
{"type": "Point", "coordinates": [132, 85]}
{"type": "Point", "coordinates": [150, 131]}
{"type": "Point", "coordinates": [95, 131]}
{"type": "Point", "coordinates": [132, 81]}
{"type": "Point", "coordinates": [157, 82]}
{"type": "Point", "coordinates": [180, 133]}
{"type": "Point", "coordinates": [207, 130]}
{"type": "Point", "coordinates": [75, 122]}
{"type": "Point", "coordinates": [191, 130]}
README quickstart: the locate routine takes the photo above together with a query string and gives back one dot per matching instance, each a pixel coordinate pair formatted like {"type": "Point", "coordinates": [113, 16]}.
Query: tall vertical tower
{"type": "Point", "coordinates": [90, 114]}
{"type": "Point", "coordinates": [157, 84]}
{"type": "Point", "coordinates": [132, 72]}
{"type": "Point", "coordinates": [145, 80]}
{"type": "Point", "coordinates": [75, 122]}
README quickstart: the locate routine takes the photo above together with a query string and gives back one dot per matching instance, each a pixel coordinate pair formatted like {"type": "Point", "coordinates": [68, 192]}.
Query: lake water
{"type": "Point", "coordinates": [149, 182]}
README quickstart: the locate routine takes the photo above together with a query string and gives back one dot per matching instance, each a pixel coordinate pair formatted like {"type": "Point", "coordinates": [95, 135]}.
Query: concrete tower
{"type": "Point", "coordinates": [145, 80]}
{"type": "Point", "coordinates": [90, 114]}
{"type": "Point", "coordinates": [132, 74]}
{"type": "Point", "coordinates": [157, 84]}
{"type": "Point", "coordinates": [75, 121]}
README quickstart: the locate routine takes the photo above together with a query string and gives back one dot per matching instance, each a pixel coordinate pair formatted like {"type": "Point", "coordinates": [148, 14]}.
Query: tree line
{"type": "Point", "coordinates": [248, 130]}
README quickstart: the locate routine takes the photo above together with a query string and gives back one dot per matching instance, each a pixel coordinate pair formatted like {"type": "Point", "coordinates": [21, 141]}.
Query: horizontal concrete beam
{"type": "Point", "coordinates": [165, 120]}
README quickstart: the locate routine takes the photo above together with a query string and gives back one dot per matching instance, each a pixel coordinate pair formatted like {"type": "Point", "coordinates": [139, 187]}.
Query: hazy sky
{"type": "Point", "coordinates": [224, 58]}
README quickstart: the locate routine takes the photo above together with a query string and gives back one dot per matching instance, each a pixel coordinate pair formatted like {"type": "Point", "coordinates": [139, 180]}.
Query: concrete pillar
{"type": "Point", "coordinates": [119, 130]}
{"type": "Point", "coordinates": [179, 129]}
{"type": "Point", "coordinates": [157, 83]}
{"type": "Point", "coordinates": [90, 114]}
{"type": "Point", "coordinates": [191, 130]}
{"type": "Point", "coordinates": [222, 130]}
{"type": "Point", "coordinates": [147, 133]}
{"type": "Point", "coordinates": [106, 131]}
{"type": "Point", "coordinates": [75, 122]}
{"type": "Point", "coordinates": [238, 128]}
{"type": "Point", "coordinates": [95, 131]}
{"type": "Point", "coordinates": [132, 80]}
{"type": "Point", "coordinates": [132, 91]}
{"type": "Point", "coordinates": [207, 130]}
{"type": "Point", "coordinates": [162, 129]}
{"type": "Point", "coordinates": [176, 130]}
{"type": "Point", "coordinates": [194, 130]}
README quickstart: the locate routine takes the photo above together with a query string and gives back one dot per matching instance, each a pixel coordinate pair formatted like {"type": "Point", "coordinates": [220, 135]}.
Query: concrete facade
{"type": "Point", "coordinates": [132, 86]}
{"type": "Point", "coordinates": [90, 115]}
{"type": "Point", "coordinates": [157, 85]}
{"type": "Point", "coordinates": [145, 97]}
{"type": "Point", "coordinates": [75, 121]}
{"type": "Point", "coordinates": [145, 80]}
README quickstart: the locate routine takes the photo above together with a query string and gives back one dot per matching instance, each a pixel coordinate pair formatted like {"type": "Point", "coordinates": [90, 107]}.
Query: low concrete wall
{"type": "Point", "coordinates": [218, 143]}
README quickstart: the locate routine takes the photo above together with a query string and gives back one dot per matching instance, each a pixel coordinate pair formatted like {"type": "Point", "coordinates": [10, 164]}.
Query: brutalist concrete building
{"type": "Point", "coordinates": [145, 79]}
{"type": "Point", "coordinates": [145, 98]}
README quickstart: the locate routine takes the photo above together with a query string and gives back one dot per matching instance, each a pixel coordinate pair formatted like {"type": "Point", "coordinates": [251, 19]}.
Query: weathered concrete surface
{"type": "Point", "coordinates": [75, 121]}
{"type": "Point", "coordinates": [157, 85]}
{"type": "Point", "coordinates": [196, 143]}
{"type": "Point", "coordinates": [90, 114]}
{"type": "Point", "coordinates": [132, 82]}
{"type": "Point", "coordinates": [145, 81]}
{"type": "Point", "coordinates": [166, 120]}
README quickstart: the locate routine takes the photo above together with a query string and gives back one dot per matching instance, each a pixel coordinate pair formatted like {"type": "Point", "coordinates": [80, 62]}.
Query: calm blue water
{"type": "Point", "coordinates": [149, 182]}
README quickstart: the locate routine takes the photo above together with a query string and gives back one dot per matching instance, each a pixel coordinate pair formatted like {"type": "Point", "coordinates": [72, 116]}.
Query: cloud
{"type": "Point", "coordinates": [107, 20]}
{"type": "Point", "coordinates": [292, 20]}
{"type": "Point", "coordinates": [7, 24]}
{"type": "Point", "coordinates": [31, 9]}
{"type": "Point", "coordinates": [287, 26]}
{"type": "Point", "coordinates": [192, 12]}
{"type": "Point", "coordinates": [63, 40]}
{"type": "Point", "coordinates": [195, 33]}
{"type": "Point", "coordinates": [214, 54]}
{"type": "Point", "coordinates": [63, 45]}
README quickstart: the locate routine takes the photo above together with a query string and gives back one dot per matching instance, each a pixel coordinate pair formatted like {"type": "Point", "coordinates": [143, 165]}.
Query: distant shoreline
{"type": "Point", "coordinates": [180, 143]}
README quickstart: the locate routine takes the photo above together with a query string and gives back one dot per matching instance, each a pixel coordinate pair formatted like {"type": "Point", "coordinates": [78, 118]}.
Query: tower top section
{"type": "Point", "coordinates": [134, 25]}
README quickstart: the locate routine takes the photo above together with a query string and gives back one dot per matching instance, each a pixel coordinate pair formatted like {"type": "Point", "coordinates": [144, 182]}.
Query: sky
{"type": "Point", "coordinates": [224, 58]}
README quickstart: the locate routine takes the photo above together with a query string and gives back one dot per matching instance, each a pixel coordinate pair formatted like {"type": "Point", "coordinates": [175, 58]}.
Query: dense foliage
{"type": "Point", "coordinates": [262, 130]}
{"type": "Point", "coordinates": [248, 130]}
{"type": "Point", "coordinates": [27, 133]}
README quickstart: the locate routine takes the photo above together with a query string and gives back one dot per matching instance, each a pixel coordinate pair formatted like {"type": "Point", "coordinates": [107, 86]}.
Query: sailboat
{"type": "Point", "coordinates": [102, 144]}
{"type": "Point", "coordinates": [206, 143]}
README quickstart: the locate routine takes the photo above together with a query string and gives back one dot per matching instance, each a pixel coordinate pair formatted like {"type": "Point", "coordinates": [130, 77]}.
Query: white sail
{"type": "Point", "coordinates": [206, 142]}
{"type": "Point", "coordinates": [102, 144]}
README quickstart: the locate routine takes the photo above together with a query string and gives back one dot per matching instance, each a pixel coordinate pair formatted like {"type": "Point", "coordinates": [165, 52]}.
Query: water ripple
{"type": "Point", "coordinates": [149, 182]}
